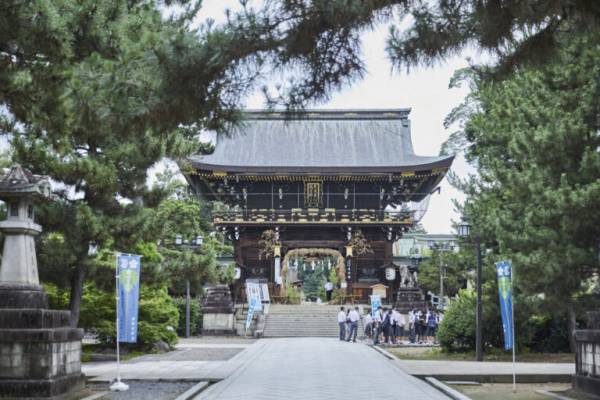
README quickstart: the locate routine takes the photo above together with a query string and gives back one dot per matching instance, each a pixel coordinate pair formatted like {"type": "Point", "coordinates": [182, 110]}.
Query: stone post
{"type": "Point", "coordinates": [40, 354]}
{"type": "Point", "coordinates": [587, 356]}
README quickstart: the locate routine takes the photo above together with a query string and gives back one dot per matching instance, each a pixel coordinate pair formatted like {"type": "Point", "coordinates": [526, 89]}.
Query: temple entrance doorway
{"type": "Point", "coordinates": [306, 270]}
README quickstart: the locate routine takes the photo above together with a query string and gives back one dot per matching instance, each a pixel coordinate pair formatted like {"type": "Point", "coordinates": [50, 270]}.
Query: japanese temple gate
{"type": "Point", "coordinates": [315, 180]}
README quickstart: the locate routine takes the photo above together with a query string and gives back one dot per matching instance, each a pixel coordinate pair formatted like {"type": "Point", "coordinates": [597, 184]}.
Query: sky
{"type": "Point", "coordinates": [424, 90]}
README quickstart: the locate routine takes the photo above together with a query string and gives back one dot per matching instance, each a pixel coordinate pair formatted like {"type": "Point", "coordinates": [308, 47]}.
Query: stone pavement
{"type": "Point", "coordinates": [196, 359]}
{"type": "Point", "coordinates": [319, 368]}
{"type": "Point", "coordinates": [480, 371]}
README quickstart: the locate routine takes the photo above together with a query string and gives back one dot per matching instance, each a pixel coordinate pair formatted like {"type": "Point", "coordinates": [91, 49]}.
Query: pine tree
{"type": "Point", "coordinates": [534, 141]}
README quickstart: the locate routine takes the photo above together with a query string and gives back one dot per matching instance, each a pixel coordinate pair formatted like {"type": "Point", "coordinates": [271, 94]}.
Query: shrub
{"type": "Point", "coordinates": [58, 299]}
{"type": "Point", "coordinates": [457, 330]}
{"type": "Point", "coordinates": [158, 315]}
{"type": "Point", "coordinates": [195, 316]}
{"type": "Point", "coordinates": [292, 294]}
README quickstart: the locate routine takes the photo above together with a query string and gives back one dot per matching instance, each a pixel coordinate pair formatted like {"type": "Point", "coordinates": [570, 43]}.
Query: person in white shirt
{"type": "Point", "coordinates": [401, 325]}
{"type": "Point", "coordinates": [377, 320]}
{"type": "Point", "coordinates": [395, 324]}
{"type": "Point", "coordinates": [328, 289]}
{"type": "Point", "coordinates": [368, 320]}
{"type": "Point", "coordinates": [411, 325]}
{"type": "Point", "coordinates": [354, 316]}
{"type": "Point", "coordinates": [341, 317]}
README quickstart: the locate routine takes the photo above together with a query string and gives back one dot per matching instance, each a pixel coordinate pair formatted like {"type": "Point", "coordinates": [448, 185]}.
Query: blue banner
{"type": "Point", "coordinates": [375, 303]}
{"type": "Point", "coordinates": [504, 273]}
{"type": "Point", "coordinates": [128, 279]}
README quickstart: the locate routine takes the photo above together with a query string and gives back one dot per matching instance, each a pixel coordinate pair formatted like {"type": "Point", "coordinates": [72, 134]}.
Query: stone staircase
{"type": "Point", "coordinates": [307, 320]}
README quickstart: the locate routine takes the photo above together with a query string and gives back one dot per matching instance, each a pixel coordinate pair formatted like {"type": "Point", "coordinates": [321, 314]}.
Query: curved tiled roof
{"type": "Point", "coordinates": [319, 141]}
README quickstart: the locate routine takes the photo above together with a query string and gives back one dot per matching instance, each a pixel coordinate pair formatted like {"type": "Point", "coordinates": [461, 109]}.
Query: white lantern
{"type": "Point", "coordinates": [237, 274]}
{"type": "Point", "coordinates": [390, 273]}
{"type": "Point", "coordinates": [343, 285]}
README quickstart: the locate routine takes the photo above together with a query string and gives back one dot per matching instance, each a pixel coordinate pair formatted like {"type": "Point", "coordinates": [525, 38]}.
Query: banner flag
{"type": "Point", "coordinates": [128, 277]}
{"type": "Point", "coordinates": [375, 303]}
{"type": "Point", "coordinates": [504, 273]}
{"type": "Point", "coordinates": [253, 294]}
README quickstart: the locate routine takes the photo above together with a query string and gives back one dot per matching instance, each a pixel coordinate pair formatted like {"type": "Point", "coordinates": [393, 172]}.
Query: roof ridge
{"type": "Point", "coordinates": [330, 114]}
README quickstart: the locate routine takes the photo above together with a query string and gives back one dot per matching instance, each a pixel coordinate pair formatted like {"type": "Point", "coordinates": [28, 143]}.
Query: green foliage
{"type": "Point", "coordinates": [292, 295]}
{"type": "Point", "coordinates": [458, 267]}
{"type": "Point", "coordinates": [158, 317]}
{"type": "Point", "coordinates": [314, 281]}
{"type": "Point", "coordinates": [456, 332]}
{"type": "Point", "coordinates": [533, 139]}
{"type": "Point", "coordinates": [157, 320]}
{"type": "Point", "coordinates": [195, 316]}
{"type": "Point", "coordinates": [58, 299]}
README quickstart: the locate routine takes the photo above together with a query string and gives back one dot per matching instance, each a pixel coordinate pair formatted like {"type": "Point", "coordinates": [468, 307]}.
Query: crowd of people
{"type": "Point", "coordinates": [388, 325]}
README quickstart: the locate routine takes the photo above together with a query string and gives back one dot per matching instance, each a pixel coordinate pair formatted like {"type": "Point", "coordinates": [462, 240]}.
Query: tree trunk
{"type": "Point", "coordinates": [76, 294]}
{"type": "Point", "coordinates": [572, 327]}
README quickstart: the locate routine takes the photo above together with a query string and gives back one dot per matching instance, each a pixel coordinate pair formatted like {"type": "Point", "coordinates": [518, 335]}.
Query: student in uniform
{"type": "Point", "coordinates": [431, 326]}
{"type": "Point", "coordinates": [368, 322]}
{"type": "Point", "coordinates": [354, 317]}
{"type": "Point", "coordinates": [377, 325]}
{"type": "Point", "coordinates": [341, 317]}
{"type": "Point", "coordinates": [411, 325]}
{"type": "Point", "coordinates": [386, 324]}
{"type": "Point", "coordinates": [394, 326]}
{"type": "Point", "coordinates": [347, 320]}
{"type": "Point", "coordinates": [401, 325]}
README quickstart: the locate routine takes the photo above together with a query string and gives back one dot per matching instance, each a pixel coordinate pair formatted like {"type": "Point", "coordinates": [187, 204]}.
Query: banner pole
{"type": "Point", "coordinates": [512, 284]}
{"type": "Point", "coordinates": [118, 386]}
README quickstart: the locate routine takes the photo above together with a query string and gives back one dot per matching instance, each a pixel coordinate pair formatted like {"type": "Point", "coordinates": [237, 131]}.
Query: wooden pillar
{"type": "Point", "coordinates": [388, 257]}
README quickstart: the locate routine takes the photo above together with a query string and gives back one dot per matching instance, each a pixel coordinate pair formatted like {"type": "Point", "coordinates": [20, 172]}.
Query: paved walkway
{"type": "Point", "coordinates": [319, 368]}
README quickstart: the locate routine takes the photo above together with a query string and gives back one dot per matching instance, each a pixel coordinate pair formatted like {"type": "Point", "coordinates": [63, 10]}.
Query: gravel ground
{"type": "Point", "coordinates": [502, 391]}
{"type": "Point", "coordinates": [145, 390]}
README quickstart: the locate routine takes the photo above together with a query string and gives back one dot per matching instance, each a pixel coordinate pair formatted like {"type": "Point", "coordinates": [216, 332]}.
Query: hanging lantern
{"type": "Point", "coordinates": [237, 274]}
{"type": "Point", "coordinates": [390, 273]}
{"type": "Point", "coordinates": [312, 265]}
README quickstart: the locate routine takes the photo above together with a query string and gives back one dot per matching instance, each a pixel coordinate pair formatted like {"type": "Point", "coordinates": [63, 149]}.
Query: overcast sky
{"type": "Point", "coordinates": [424, 90]}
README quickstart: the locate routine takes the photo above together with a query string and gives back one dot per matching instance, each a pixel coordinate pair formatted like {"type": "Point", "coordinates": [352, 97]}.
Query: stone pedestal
{"type": "Point", "coordinates": [40, 354]}
{"type": "Point", "coordinates": [587, 356]}
{"type": "Point", "coordinates": [409, 299]}
{"type": "Point", "coordinates": [217, 311]}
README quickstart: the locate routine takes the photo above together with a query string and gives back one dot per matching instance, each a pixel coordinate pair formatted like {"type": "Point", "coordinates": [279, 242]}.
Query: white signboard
{"type": "Point", "coordinates": [264, 293]}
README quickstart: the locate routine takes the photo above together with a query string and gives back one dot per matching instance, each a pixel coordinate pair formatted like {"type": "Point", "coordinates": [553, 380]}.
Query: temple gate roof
{"type": "Point", "coordinates": [320, 141]}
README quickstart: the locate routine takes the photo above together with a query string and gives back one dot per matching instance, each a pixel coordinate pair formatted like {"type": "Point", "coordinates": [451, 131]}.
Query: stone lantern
{"type": "Point", "coordinates": [40, 353]}
{"type": "Point", "coordinates": [20, 190]}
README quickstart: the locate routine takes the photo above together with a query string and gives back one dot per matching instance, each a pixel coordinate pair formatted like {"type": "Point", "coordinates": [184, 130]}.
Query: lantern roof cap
{"type": "Point", "coordinates": [20, 182]}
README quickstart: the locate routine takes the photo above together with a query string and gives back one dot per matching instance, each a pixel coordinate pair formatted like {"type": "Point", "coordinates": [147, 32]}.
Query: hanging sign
{"type": "Point", "coordinates": [504, 274]}
{"type": "Point", "coordinates": [390, 273]}
{"type": "Point", "coordinates": [278, 279]}
{"type": "Point", "coordinates": [264, 293]}
{"type": "Point", "coordinates": [128, 287]}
